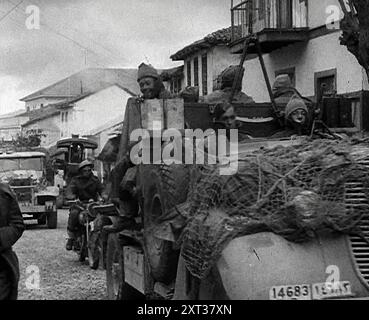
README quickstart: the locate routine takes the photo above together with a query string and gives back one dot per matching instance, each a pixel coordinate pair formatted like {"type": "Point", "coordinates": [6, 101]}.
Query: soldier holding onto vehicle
{"type": "Point", "coordinates": [85, 187]}
{"type": "Point", "coordinates": [124, 173]}
{"type": "Point", "coordinates": [296, 119]}
{"type": "Point", "coordinates": [11, 229]}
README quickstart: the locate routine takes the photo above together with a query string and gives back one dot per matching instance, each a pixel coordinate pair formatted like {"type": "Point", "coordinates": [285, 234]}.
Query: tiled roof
{"type": "Point", "coordinates": [18, 113]}
{"type": "Point", "coordinates": [168, 74]}
{"type": "Point", "coordinates": [222, 36]}
{"type": "Point", "coordinates": [87, 81]}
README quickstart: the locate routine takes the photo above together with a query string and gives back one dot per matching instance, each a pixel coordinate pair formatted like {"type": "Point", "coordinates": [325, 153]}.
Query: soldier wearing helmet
{"type": "Point", "coordinates": [85, 186]}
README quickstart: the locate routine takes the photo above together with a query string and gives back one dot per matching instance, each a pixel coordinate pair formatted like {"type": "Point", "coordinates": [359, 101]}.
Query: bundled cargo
{"type": "Point", "coordinates": [296, 192]}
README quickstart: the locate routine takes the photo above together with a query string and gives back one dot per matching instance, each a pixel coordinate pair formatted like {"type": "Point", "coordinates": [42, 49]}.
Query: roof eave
{"type": "Point", "coordinates": [26, 99]}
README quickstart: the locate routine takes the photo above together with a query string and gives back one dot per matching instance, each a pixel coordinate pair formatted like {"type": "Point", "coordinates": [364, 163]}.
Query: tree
{"type": "Point", "coordinates": [355, 30]}
{"type": "Point", "coordinates": [32, 138]}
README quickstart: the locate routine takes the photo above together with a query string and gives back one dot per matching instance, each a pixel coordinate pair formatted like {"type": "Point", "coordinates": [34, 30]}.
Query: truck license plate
{"type": "Point", "coordinates": [317, 291]}
{"type": "Point", "coordinates": [296, 292]}
{"type": "Point", "coordinates": [331, 290]}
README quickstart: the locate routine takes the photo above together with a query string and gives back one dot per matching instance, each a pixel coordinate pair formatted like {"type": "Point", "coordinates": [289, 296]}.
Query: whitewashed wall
{"type": "Point", "coordinates": [319, 54]}
{"type": "Point", "coordinates": [98, 109]}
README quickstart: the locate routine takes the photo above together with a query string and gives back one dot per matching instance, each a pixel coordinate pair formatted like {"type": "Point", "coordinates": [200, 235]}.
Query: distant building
{"type": "Point", "coordinates": [205, 59]}
{"type": "Point", "coordinates": [80, 103]}
{"type": "Point", "coordinates": [11, 124]}
{"type": "Point", "coordinates": [101, 135]}
{"type": "Point", "coordinates": [80, 115]}
{"type": "Point", "coordinates": [81, 83]}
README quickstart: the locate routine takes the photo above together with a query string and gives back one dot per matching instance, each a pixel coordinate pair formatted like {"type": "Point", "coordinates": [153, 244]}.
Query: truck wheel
{"type": "Point", "coordinates": [93, 250]}
{"type": "Point", "coordinates": [59, 202]}
{"type": "Point", "coordinates": [52, 220]}
{"type": "Point", "coordinates": [164, 188]}
{"type": "Point", "coordinates": [114, 268]}
{"type": "Point", "coordinates": [162, 258]}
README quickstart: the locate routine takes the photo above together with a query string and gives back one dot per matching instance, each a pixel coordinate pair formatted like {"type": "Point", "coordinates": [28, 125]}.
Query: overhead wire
{"type": "Point", "coordinates": [11, 10]}
{"type": "Point", "coordinates": [102, 56]}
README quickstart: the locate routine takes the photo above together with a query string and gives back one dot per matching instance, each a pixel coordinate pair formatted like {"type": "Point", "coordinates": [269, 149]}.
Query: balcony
{"type": "Point", "coordinates": [277, 23]}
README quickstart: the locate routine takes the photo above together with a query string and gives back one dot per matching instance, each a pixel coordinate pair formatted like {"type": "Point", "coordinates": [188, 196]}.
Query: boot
{"type": "Point", "coordinates": [69, 244]}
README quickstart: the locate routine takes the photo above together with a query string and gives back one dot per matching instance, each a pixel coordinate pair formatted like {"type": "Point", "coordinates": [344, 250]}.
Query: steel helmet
{"type": "Point", "coordinates": [85, 163]}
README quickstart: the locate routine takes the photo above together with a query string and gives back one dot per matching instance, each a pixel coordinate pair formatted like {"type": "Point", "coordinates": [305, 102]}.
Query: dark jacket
{"type": "Point", "coordinates": [11, 229]}
{"type": "Point", "coordinates": [132, 121]}
{"type": "Point", "coordinates": [219, 96]}
{"type": "Point", "coordinates": [84, 189]}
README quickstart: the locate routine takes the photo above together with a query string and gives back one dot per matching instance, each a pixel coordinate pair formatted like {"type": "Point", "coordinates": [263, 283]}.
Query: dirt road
{"type": "Point", "coordinates": [50, 272]}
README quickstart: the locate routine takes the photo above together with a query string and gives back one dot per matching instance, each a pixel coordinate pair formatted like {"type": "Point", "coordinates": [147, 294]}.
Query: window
{"type": "Point", "coordinates": [62, 117]}
{"type": "Point", "coordinates": [172, 86]}
{"type": "Point", "coordinates": [66, 116]}
{"type": "Point", "coordinates": [175, 85]}
{"type": "Point", "coordinates": [325, 83]}
{"type": "Point", "coordinates": [196, 71]}
{"type": "Point", "coordinates": [261, 9]}
{"type": "Point", "coordinates": [204, 71]}
{"type": "Point", "coordinates": [188, 73]}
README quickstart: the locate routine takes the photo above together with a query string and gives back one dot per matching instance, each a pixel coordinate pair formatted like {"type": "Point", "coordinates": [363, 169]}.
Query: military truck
{"type": "Point", "coordinates": [25, 172]}
{"type": "Point", "coordinates": [148, 263]}
{"type": "Point", "coordinates": [69, 154]}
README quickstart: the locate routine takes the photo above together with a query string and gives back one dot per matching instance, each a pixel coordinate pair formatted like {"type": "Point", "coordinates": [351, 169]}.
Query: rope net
{"type": "Point", "coordinates": [295, 192]}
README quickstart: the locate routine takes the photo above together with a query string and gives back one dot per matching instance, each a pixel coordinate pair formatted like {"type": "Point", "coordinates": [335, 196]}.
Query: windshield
{"type": "Point", "coordinates": [21, 164]}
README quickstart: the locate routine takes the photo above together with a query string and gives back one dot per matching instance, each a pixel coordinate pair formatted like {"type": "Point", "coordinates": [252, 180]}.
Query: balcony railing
{"type": "Point", "coordinates": [253, 16]}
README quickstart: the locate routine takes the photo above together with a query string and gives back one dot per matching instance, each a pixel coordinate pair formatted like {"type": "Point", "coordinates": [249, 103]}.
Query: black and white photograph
{"type": "Point", "coordinates": [202, 151]}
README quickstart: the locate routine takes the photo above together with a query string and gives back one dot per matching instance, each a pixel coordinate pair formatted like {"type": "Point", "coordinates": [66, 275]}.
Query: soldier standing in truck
{"type": "Point", "coordinates": [151, 87]}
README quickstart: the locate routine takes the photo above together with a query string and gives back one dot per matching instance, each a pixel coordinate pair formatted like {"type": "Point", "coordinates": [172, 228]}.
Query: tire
{"type": "Point", "coordinates": [94, 250]}
{"type": "Point", "coordinates": [52, 220]}
{"type": "Point", "coordinates": [114, 268]}
{"type": "Point", "coordinates": [166, 187]}
{"type": "Point", "coordinates": [161, 255]}
{"type": "Point", "coordinates": [117, 289]}
{"type": "Point", "coordinates": [104, 221]}
{"type": "Point", "coordinates": [82, 252]}
{"type": "Point", "coordinates": [59, 202]}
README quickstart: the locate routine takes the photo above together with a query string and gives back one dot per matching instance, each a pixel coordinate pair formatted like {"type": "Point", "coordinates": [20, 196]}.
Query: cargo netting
{"type": "Point", "coordinates": [295, 192]}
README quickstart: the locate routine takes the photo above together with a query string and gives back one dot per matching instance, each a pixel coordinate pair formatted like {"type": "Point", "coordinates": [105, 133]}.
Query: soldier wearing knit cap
{"type": "Point", "coordinates": [150, 83]}
{"type": "Point", "coordinates": [227, 77]}
{"type": "Point", "coordinates": [296, 111]}
{"type": "Point", "coordinates": [282, 89]}
{"type": "Point", "coordinates": [151, 87]}
{"type": "Point", "coordinates": [296, 118]}
{"type": "Point", "coordinates": [145, 70]}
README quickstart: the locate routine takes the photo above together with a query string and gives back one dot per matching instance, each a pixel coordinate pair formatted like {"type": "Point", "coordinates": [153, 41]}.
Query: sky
{"type": "Point", "coordinates": [79, 34]}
